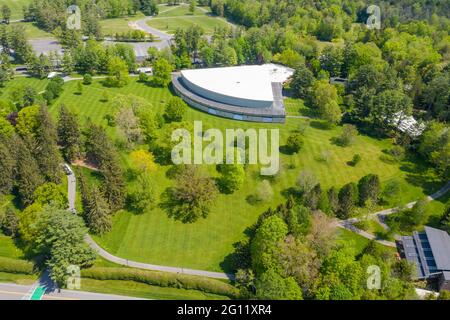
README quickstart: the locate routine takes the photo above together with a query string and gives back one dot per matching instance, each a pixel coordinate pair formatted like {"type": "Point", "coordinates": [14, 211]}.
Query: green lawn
{"type": "Point", "coordinates": [23, 279]}
{"type": "Point", "coordinates": [152, 237]}
{"type": "Point", "coordinates": [171, 19]}
{"type": "Point", "coordinates": [38, 85]}
{"type": "Point", "coordinates": [16, 7]}
{"type": "Point", "coordinates": [118, 25]}
{"type": "Point", "coordinates": [33, 32]}
{"type": "Point", "coordinates": [141, 290]}
{"type": "Point", "coordinates": [8, 248]}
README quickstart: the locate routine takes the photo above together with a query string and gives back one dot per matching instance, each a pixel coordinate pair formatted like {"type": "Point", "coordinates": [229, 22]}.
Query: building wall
{"type": "Point", "coordinates": [226, 99]}
{"type": "Point", "coordinates": [226, 114]}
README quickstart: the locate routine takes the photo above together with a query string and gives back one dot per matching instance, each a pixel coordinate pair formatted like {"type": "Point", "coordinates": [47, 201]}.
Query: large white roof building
{"type": "Point", "coordinates": [251, 93]}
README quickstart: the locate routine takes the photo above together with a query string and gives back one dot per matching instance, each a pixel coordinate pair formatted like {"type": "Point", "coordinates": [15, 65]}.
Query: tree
{"type": "Point", "coordinates": [175, 110]}
{"type": "Point", "coordinates": [128, 124]}
{"type": "Point", "coordinates": [50, 193]}
{"type": "Point", "coordinates": [6, 13]}
{"type": "Point", "coordinates": [333, 199]}
{"type": "Point", "coordinates": [68, 63]}
{"type": "Point", "coordinates": [388, 105]}
{"type": "Point", "coordinates": [192, 196]}
{"type": "Point", "coordinates": [143, 161]}
{"type": "Point", "coordinates": [369, 188]}
{"type": "Point", "coordinates": [232, 177]}
{"type": "Point", "coordinates": [87, 79]}
{"type": "Point", "coordinates": [47, 153]}
{"type": "Point", "coordinates": [331, 112]}
{"type": "Point", "coordinates": [6, 71]}
{"type": "Point", "coordinates": [324, 100]}
{"type": "Point", "coordinates": [9, 222]}
{"type": "Point", "coordinates": [192, 6]}
{"type": "Point", "coordinates": [294, 142]}
{"type": "Point", "coordinates": [54, 89]}
{"type": "Point", "coordinates": [348, 135]}
{"type": "Point", "coordinates": [142, 197]}
{"type": "Point", "coordinates": [69, 135]}
{"type": "Point", "coordinates": [300, 262]}
{"type": "Point", "coordinates": [8, 164]}
{"type": "Point", "coordinates": [118, 72]}
{"type": "Point", "coordinates": [445, 219]}
{"type": "Point", "coordinates": [265, 247]}
{"type": "Point", "coordinates": [418, 214]}
{"type": "Point", "coordinates": [60, 238]}
{"type": "Point", "coordinates": [28, 174]}
{"type": "Point", "coordinates": [302, 81]}
{"type": "Point", "coordinates": [435, 147]}
{"type": "Point", "coordinates": [306, 181]}
{"type": "Point", "coordinates": [40, 66]}
{"type": "Point", "coordinates": [348, 195]}
{"type": "Point", "coordinates": [161, 72]}
{"type": "Point", "coordinates": [272, 286]}
{"type": "Point", "coordinates": [96, 211]}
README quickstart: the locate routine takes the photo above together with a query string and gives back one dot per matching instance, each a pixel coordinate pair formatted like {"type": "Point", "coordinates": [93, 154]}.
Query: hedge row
{"type": "Point", "coordinates": [162, 279]}
{"type": "Point", "coordinates": [16, 266]}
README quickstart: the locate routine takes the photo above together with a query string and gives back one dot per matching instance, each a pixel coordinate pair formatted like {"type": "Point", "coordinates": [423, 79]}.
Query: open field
{"type": "Point", "coordinates": [33, 32]}
{"type": "Point", "coordinates": [180, 17]}
{"type": "Point", "coordinates": [118, 25]}
{"type": "Point", "coordinates": [153, 237]}
{"type": "Point", "coordinates": [16, 7]}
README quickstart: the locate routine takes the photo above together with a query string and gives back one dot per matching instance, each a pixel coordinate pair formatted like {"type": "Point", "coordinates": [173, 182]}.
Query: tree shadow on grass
{"type": "Point", "coordinates": [321, 125]}
{"type": "Point", "coordinates": [291, 192]}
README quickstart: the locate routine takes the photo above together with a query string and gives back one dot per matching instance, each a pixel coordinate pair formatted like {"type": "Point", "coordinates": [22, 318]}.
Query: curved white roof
{"type": "Point", "coordinates": [242, 82]}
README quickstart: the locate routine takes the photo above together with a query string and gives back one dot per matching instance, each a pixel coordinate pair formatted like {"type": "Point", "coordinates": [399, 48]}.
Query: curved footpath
{"type": "Point", "coordinates": [348, 224]}
{"type": "Point", "coordinates": [128, 263]}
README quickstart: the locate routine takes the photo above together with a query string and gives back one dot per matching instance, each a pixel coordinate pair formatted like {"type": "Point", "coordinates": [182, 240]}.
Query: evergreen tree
{"type": "Point", "coordinates": [69, 135]}
{"type": "Point", "coordinates": [46, 153]}
{"type": "Point", "coordinates": [348, 196]}
{"type": "Point", "coordinates": [9, 222]}
{"type": "Point", "coordinates": [7, 165]}
{"type": "Point", "coordinates": [28, 174]}
{"type": "Point", "coordinates": [96, 210]}
{"type": "Point", "coordinates": [369, 189]}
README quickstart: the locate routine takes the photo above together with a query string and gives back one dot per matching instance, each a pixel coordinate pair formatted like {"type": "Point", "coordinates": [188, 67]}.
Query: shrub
{"type": "Point", "coordinates": [294, 142]}
{"type": "Point", "coordinates": [163, 279]}
{"type": "Point", "coordinates": [16, 266]}
{"type": "Point", "coordinates": [87, 79]}
{"type": "Point", "coordinates": [356, 159]}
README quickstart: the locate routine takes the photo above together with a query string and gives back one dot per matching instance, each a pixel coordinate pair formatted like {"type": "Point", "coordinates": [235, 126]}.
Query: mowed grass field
{"type": "Point", "coordinates": [16, 7]}
{"type": "Point", "coordinates": [170, 19]}
{"type": "Point", "coordinates": [153, 237]}
{"type": "Point", "coordinates": [118, 25]}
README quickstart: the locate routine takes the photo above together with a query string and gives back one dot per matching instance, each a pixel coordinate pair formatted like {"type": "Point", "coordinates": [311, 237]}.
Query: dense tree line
{"type": "Point", "coordinates": [293, 254]}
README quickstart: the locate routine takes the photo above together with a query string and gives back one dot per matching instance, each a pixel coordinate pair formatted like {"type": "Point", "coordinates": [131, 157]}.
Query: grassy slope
{"type": "Point", "coordinates": [16, 7]}
{"type": "Point", "coordinates": [171, 19]}
{"type": "Point", "coordinates": [153, 237]}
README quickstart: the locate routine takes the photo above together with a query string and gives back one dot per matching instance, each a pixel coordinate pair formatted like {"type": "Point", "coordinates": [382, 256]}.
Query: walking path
{"type": "Point", "coordinates": [348, 224]}
{"type": "Point", "coordinates": [129, 263]}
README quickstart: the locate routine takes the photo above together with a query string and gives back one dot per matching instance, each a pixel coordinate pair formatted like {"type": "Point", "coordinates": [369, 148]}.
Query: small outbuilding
{"type": "Point", "coordinates": [429, 250]}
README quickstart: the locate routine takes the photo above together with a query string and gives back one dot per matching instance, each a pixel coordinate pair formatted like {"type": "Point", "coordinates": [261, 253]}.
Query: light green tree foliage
{"type": "Point", "coordinates": [50, 193]}
{"type": "Point", "coordinates": [60, 237]}
{"type": "Point", "coordinates": [265, 245]}
{"type": "Point", "coordinates": [161, 72]}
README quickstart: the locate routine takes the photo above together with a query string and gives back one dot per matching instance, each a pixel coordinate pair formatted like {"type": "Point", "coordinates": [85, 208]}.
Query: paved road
{"type": "Point", "coordinates": [129, 263]}
{"type": "Point", "coordinates": [349, 223]}
{"type": "Point", "coordinates": [10, 291]}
